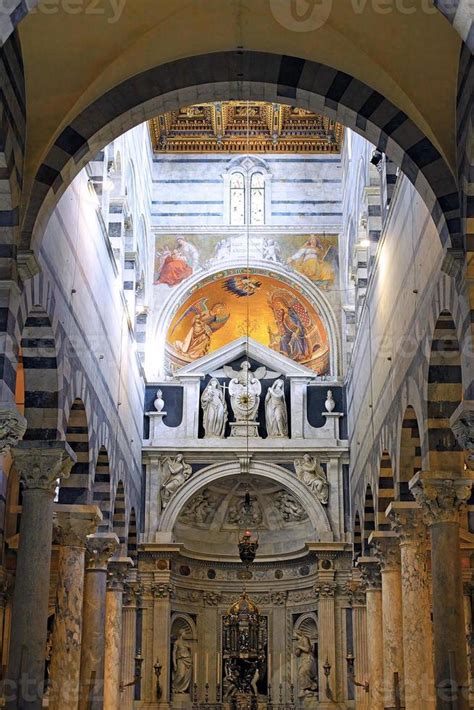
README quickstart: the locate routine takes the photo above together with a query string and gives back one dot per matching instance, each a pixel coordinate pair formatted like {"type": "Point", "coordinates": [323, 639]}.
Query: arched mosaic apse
{"type": "Point", "coordinates": [268, 310]}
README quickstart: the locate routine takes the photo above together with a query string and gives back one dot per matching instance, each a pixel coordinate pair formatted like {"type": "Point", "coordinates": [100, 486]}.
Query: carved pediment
{"type": "Point", "coordinates": [275, 362]}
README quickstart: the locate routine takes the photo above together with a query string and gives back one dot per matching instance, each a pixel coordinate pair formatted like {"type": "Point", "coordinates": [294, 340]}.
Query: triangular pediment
{"type": "Point", "coordinates": [250, 348]}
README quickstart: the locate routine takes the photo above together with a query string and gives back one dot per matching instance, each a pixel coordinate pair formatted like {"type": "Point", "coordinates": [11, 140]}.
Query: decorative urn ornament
{"type": "Point", "coordinates": [159, 402]}
{"type": "Point", "coordinates": [329, 403]}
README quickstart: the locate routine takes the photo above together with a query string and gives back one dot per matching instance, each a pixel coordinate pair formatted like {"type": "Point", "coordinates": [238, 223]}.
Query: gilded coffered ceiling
{"type": "Point", "coordinates": [244, 127]}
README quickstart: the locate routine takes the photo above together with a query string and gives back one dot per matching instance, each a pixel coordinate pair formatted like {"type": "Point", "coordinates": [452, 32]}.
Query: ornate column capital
{"type": "Point", "coordinates": [73, 523]}
{"type": "Point", "coordinates": [162, 590]}
{"type": "Point", "coordinates": [355, 590]}
{"type": "Point", "coordinates": [325, 590]}
{"type": "Point", "coordinates": [42, 463]}
{"type": "Point", "coordinates": [117, 572]}
{"type": "Point", "coordinates": [370, 573]}
{"type": "Point", "coordinates": [440, 495]}
{"type": "Point", "coordinates": [12, 426]}
{"type": "Point", "coordinates": [386, 547]}
{"type": "Point", "coordinates": [407, 522]}
{"type": "Point", "coordinates": [100, 548]}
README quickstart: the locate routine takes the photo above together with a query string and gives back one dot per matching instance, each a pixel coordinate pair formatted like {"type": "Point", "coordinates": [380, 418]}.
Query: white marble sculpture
{"type": "Point", "coordinates": [276, 414]}
{"type": "Point", "coordinates": [309, 471]}
{"type": "Point", "coordinates": [329, 403]}
{"type": "Point", "coordinates": [182, 664]}
{"type": "Point", "coordinates": [245, 389]}
{"type": "Point", "coordinates": [178, 472]}
{"type": "Point", "coordinates": [307, 670]}
{"type": "Point", "coordinates": [214, 409]}
{"type": "Point", "coordinates": [159, 402]}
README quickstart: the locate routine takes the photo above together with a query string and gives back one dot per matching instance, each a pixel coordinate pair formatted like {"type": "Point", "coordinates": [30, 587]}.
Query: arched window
{"type": "Point", "coordinates": [237, 198]}
{"type": "Point", "coordinates": [257, 199]}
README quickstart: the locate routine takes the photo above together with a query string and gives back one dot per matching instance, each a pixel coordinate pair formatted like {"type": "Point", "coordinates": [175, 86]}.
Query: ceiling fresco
{"type": "Point", "coordinates": [231, 306]}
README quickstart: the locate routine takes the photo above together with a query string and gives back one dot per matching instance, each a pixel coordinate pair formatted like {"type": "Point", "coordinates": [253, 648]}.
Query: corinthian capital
{"type": "Point", "coordinates": [325, 590]}
{"type": "Point", "coordinates": [42, 464]}
{"type": "Point", "coordinates": [407, 522]}
{"type": "Point", "coordinates": [441, 495]}
{"type": "Point", "coordinates": [117, 573]}
{"type": "Point", "coordinates": [370, 573]}
{"type": "Point", "coordinates": [386, 549]}
{"type": "Point", "coordinates": [100, 548]}
{"type": "Point", "coordinates": [12, 427]}
{"type": "Point", "coordinates": [73, 523]}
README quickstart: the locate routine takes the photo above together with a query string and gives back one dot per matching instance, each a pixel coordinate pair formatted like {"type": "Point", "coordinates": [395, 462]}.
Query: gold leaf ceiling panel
{"type": "Point", "coordinates": [244, 127]}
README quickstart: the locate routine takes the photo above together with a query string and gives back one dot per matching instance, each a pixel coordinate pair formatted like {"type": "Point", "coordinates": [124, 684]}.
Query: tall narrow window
{"type": "Point", "coordinates": [257, 199]}
{"type": "Point", "coordinates": [237, 198]}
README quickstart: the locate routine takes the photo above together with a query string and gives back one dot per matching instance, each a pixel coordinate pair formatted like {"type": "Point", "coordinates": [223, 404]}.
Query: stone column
{"type": "Point", "coordinates": [40, 467]}
{"type": "Point", "coordinates": [360, 652]}
{"type": "Point", "coordinates": [407, 522]}
{"type": "Point", "coordinates": [129, 639]}
{"type": "Point", "coordinates": [371, 578]}
{"type": "Point", "coordinates": [72, 525]}
{"type": "Point", "coordinates": [387, 551]}
{"type": "Point", "coordinates": [441, 497]}
{"type": "Point", "coordinates": [325, 591]}
{"type": "Point", "coordinates": [5, 585]}
{"type": "Point", "coordinates": [118, 568]}
{"type": "Point", "coordinates": [100, 547]}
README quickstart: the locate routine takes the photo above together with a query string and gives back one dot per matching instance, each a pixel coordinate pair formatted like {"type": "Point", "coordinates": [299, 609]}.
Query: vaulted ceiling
{"type": "Point", "coordinates": [72, 58]}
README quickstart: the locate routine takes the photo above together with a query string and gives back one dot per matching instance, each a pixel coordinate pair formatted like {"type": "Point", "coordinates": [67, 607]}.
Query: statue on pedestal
{"type": "Point", "coordinates": [214, 409]}
{"type": "Point", "coordinates": [276, 414]}
{"type": "Point", "coordinates": [182, 664]}
{"type": "Point", "coordinates": [307, 671]}
{"type": "Point", "coordinates": [309, 471]}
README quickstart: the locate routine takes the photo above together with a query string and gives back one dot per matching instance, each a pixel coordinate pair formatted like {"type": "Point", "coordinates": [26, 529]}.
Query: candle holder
{"type": "Point", "coordinates": [206, 693]}
{"type": "Point", "coordinates": [157, 668]}
{"type": "Point", "coordinates": [292, 694]}
{"type": "Point", "coordinates": [269, 696]}
{"type": "Point", "coordinates": [327, 672]}
{"type": "Point", "coordinates": [195, 696]}
{"type": "Point", "coordinates": [218, 692]}
{"type": "Point", "coordinates": [138, 673]}
{"type": "Point", "coordinates": [350, 672]}
{"type": "Point", "coordinates": [280, 687]}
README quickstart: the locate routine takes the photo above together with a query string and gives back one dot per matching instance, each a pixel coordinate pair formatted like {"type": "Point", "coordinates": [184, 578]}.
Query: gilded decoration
{"type": "Point", "coordinates": [244, 127]}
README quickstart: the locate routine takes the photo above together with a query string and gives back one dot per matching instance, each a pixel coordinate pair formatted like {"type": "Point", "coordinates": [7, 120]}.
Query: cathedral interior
{"type": "Point", "coordinates": [236, 367]}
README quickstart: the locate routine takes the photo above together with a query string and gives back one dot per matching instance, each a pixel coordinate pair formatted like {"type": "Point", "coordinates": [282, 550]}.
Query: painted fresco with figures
{"type": "Point", "coordinates": [216, 313]}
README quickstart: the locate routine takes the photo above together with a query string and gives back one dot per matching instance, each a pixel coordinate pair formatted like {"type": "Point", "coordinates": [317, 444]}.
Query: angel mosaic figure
{"type": "Point", "coordinates": [309, 471]}
{"type": "Point", "coordinates": [206, 321]}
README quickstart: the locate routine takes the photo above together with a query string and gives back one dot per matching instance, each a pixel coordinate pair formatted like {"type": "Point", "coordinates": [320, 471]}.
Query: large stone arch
{"type": "Point", "coordinates": [311, 292]}
{"type": "Point", "coordinates": [256, 76]}
{"type": "Point", "coordinates": [259, 469]}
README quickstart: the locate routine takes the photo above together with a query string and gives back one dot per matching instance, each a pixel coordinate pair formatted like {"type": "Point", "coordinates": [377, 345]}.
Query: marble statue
{"type": "Point", "coordinates": [214, 409]}
{"type": "Point", "coordinates": [309, 471]}
{"type": "Point", "coordinates": [276, 414]}
{"type": "Point", "coordinates": [245, 389]}
{"type": "Point", "coordinates": [329, 403]}
{"type": "Point", "coordinates": [307, 670]}
{"type": "Point", "coordinates": [159, 402]}
{"type": "Point", "coordinates": [182, 664]}
{"type": "Point", "coordinates": [289, 508]}
{"type": "Point", "coordinates": [178, 473]}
